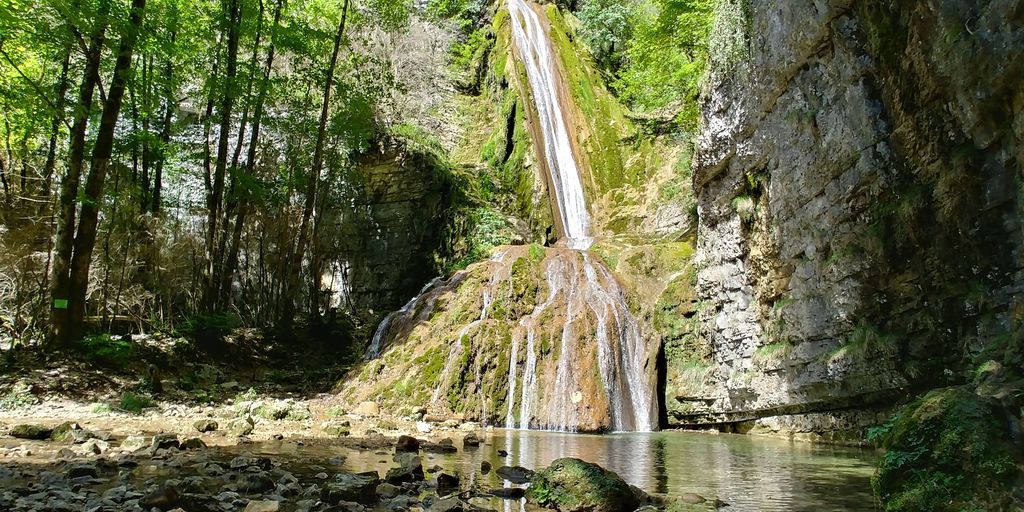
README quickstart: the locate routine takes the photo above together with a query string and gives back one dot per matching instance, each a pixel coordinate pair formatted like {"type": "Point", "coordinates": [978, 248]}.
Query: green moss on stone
{"type": "Point", "coordinates": [949, 450]}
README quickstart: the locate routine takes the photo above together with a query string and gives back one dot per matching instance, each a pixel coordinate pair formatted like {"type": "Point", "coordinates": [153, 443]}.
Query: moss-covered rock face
{"type": "Point", "coordinates": [950, 450]}
{"type": "Point", "coordinates": [535, 337]}
{"type": "Point", "coordinates": [573, 485]}
{"type": "Point", "coordinates": [637, 183]}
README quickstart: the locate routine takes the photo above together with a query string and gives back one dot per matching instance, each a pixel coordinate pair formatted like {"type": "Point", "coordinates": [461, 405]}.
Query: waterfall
{"type": "Point", "coordinates": [585, 358]}
{"type": "Point", "coordinates": [381, 334]}
{"type": "Point", "coordinates": [536, 53]}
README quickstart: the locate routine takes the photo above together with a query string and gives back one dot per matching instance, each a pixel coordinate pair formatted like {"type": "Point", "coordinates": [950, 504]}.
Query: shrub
{"type": "Point", "coordinates": [106, 350]}
{"type": "Point", "coordinates": [135, 403]}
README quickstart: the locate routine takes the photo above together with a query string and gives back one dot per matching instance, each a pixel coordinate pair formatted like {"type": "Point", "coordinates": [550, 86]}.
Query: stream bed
{"type": "Point", "coordinates": [749, 473]}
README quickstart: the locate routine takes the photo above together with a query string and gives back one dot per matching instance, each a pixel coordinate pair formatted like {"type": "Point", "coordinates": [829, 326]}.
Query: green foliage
{"type": "Point", "coordinates": [105, 350]}
{"type": "Point", "coordinates": [489, 230]}
{"type": "Point", "coordinates": [745, 207]}
{"type": "Point", "coordinates": [135, 403]}
{"type": "Point", "coordinates": [465, 13]}
{"type": "Point", "coordinates": [949, 450]}
{"type": "Point", "coordinates": [771, 353]}
{"type": "Point", "coordinates": [465, 54]}
{"type": "Point", "coordinates": [606, 29]}
{"type": "Point", "coordinates": [19, 396]}
{"type": "Point", "coordinates": [210, 327]}
{"type": "Point", "coordinates": [666, 56]}
{"type": "Point", "coordinates": [101, 408]}
{"type": "Point", "coordinates": [730, 34]}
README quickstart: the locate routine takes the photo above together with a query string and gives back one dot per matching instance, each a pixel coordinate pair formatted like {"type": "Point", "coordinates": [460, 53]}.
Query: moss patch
{"type": "Point", "coordinates": [949, 450]}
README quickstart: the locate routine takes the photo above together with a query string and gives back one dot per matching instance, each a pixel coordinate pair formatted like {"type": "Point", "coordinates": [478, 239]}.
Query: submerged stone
{"type": "Point", "coordinates": [410, 469]}
{"type": "Point", "coordinates": [515, 474]}
{"type": "Point", "coordinates": [349, 487]}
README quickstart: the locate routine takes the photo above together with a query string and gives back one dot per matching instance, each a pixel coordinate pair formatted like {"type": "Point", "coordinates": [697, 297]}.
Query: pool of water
{"type": "Point", "coordinates": [750, 473]}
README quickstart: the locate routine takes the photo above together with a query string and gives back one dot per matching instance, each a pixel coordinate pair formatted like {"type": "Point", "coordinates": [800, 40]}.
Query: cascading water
{"type": "Point", "coordinates": [583, 358]}
{"type": "Point", "coordinates": [535, 51]}
{"type": "Point", "coordinates": [381, 334]}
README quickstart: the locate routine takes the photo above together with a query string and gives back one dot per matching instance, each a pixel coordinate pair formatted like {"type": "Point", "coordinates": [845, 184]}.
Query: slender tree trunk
{"type": "Point", "coordinates": [147, 145]}
{"type": "Point", "coordinates": [314, 180]}
{"type": "Point", "coordinates": [85, 239]}
{"type": "Point", "coordinates": [170, 105]}
{"type": "Point", "coordinates": [64, 245]}
{"type": "Point", "coordinates": [233, 17]}
{"type": "Point", "coordinates": [231, 259]}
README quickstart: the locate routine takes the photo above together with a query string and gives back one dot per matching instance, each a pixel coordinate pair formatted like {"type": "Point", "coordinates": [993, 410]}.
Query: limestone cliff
{"type": "Point", "coordinates": [392, 231]}
{"type": "Point", "coordinates": [859, 185]}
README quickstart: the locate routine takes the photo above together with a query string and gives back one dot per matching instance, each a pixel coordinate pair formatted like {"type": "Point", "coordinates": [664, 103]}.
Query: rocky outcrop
{"type": "Point", "coordinates": [859, 185]}
{"type": "Point", "coordinates": [393, 233]}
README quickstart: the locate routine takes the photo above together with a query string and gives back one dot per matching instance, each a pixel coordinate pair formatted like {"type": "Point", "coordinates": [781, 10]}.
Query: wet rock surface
{"type": "Point", "coordinates": [573, 485]}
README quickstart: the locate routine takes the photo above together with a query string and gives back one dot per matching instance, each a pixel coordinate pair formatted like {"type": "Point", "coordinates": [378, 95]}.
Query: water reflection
{"type": "Point", "coordinates": [749, 473]}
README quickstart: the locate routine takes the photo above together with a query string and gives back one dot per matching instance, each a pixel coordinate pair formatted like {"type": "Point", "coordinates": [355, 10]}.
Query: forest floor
{"type": "Point", "coordinates": [143, 422]}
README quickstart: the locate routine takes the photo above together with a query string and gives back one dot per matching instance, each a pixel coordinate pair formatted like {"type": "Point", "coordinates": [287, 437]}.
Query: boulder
{"type": "Point", "coordinates": [573, 485]}
{"type": "Point", "coordinates": [471, 440]}
{"type": "Point", "coordinates": [205, 425]}
{"type": "Point", "coordinates": [241, 426]}
{"type": "Point", "coordinates": [253, 483]}
{"type": "Point", "coordinates": [82, 470]}
{"type": "Point", "coordinates": [367, 409]}
{"type": "Point", "coordinates": [407, 444]}
{"type": "Point", "coordinates": [508, 493]}
{"type": "Point", "coordinates": [63, 431]}
{"type": "Point", "coordinates": [445, 445]}
{"type": "Point", "coordinates": [193, 443]}
{"type": "Point", "coordinates": [388, 491]}
{"type": "Point", "coordinates": [262, 506]}
{"type": "Point", "coordinates": [450, 505]}
{"type": "Point", "coordinates": [163, 498]}
{"type": "Point", "coordinates": [410, 469]}
{"type": "Point", "coordinates": [351, 487]}
{"type": "Point", "coordinates": [336, 428]}
{"type": "Point", "coordinates": [165, 441]}
{"type": "Point", "coordinates": [485, 467]}
{"type": "Point", "coordinates": [133, 444]}
{"type": "Point", "coordinates": [92, 447]}
{"type": "Point", "coordinates": [447, 482]}
{"type": "Point", "coordinates": [33, 432]}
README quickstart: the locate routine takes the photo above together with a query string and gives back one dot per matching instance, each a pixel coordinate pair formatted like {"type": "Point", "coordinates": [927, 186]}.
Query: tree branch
{"type": "Point", "coordinates": [39, 90]}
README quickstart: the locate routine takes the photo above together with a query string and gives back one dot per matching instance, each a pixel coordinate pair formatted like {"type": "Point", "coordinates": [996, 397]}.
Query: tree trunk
{"type": "Point", "coordinates": [85, 240]}
{"type": "Point", "coordinates": [291, 283]}
{"type": "Point", "coordinates": [216, 198]}
{"type": "Point", "coordinates": [231, 261]}
{"type": "Point", "coordinates": [60, 273]}
{"type": "Point", "coordinates": [170, 105]}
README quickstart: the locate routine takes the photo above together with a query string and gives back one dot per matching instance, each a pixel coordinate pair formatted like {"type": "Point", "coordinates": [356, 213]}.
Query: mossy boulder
{"type": "Point", "coordinates": [573, 485]}
{"type": "Point", "coordinates": [949, 450]}
{"type": "Point", "coordinates": [32, 432]}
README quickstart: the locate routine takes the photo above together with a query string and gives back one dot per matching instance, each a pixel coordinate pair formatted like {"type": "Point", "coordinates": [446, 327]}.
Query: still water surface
{"type": "Point", "coordinates": [750, 473]}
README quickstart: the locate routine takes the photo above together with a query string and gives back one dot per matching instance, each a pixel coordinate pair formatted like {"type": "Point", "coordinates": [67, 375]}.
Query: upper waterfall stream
{"type": "Point", "coordinates": [537, 55]}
